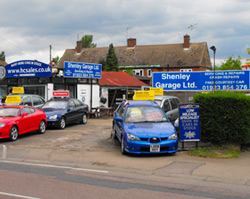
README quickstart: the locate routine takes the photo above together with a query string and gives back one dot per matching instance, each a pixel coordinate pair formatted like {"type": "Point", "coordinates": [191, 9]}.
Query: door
{"type": "Point", "coordinates": [26, 123]}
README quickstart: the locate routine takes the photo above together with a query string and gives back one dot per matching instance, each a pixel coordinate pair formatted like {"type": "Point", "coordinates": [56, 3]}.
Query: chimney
{"type": "Point", "coordinates": [78, 46]}
{"type": "Point", "coordinates": [131, 42]}
{"type": "Point", "coordinates": [186, 41]}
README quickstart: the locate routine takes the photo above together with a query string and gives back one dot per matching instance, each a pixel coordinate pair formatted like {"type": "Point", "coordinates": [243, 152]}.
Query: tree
{"type": "Point", "coordinates": [87, 41]}
{"type": "Point", "coordinates": [111, 61]}
{"type": "Point", "coordinates": [248, 60]}
{"type": "Point", "coordinates": [2, 56]}
{"type": "Point", "coordinates": [231, 63]}
{"type": "Point", "coordinates": [56, 60]}
{"type": "Point", "coordinates": [103, 63]}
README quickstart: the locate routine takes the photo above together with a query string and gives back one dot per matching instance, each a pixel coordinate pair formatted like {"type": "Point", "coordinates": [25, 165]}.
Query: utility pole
{"type": "Point", "coordinates": [50, 49]}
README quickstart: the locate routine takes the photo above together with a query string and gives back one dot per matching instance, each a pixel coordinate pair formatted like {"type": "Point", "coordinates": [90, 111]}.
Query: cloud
{"type": "Point", "coordinates": [28, 27]}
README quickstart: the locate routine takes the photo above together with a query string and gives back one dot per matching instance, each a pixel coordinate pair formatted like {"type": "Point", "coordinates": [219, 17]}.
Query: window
{"type": "Point", "coordinates": [27, 110]}
{"type": "Point", "coordinates": [149, 73]}
{"type": "Point", "coordinates": [186, 70]}
{"type": "Point", "coordinates": [174, 103]}
{"type": "Point", "coordinates": [37, 101]}
{"type": "Point", "coordinates": [166, 106]}
{"type": "Point", "coordinates": [138, 72]}
{"type": "Point", "coordinates": [27, 101]}
{"type": "Point", "coordinates": [120, 112]}
{"type": "Point", "coordinates": [71, 104]}
{"type": "Point", "coordinates": [77, 103]}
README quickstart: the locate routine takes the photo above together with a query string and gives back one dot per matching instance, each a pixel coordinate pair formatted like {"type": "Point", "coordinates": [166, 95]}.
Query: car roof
{"type": "Point", "coordinates": [60, 99]}
{"type": "Point", "coordinates": [24, 95]}
{"type": "Point", "coordinates": [161, 97]}
{"type": "Point", "coordinates": [141, 103]}
{"type": "Point", "coordinates": [14, 106]}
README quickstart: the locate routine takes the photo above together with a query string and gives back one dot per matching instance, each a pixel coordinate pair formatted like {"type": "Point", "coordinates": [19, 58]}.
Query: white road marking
{"type": "Point", "coordinates": [17, 196]}
{"type": "Point", "coordinates": [55, 166]}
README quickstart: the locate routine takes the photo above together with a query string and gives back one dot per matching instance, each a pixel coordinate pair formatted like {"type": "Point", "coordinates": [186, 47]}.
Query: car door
{"type": "Point", "coordinates": [174, 109]}
{"type": "Point", "coordinates": [27, 122]}
{"type": "Point", "coordinates": [79, 109]}
{"type": "Point", "coordinates": [71, 112]}
{"type": "Point", "coordinates": [119, 123]}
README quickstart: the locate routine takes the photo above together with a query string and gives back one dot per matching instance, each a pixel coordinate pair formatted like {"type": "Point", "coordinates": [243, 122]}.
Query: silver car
{"type": "Point", "coordinates": [170, 104]}
{"type": "Point", "coordinates": [32, 100]}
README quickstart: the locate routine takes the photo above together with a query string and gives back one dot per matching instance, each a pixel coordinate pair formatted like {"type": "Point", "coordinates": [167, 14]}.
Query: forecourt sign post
{"type": "Point", "coordinates": [202, 81]}
{"type": "Point", "coordinates": [189, 122]}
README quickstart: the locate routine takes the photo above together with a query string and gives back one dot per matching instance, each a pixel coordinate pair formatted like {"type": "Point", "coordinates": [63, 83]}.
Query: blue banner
{"type": "Point", "coordinates": [28, 68]}
{"type": "Point", "coordinates": [189, 122]}
{"type": "Point", "coordinates": [82, 70]}
{"type": "Point", "coordinates": [202, 81]}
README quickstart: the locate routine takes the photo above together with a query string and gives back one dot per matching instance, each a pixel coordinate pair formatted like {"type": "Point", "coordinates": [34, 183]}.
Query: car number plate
{"type": "Point", "coordinates": [154, 148]}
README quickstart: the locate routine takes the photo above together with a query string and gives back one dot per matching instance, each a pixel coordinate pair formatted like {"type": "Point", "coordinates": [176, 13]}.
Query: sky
{"type": "Point", "coordinates": [29, 27]}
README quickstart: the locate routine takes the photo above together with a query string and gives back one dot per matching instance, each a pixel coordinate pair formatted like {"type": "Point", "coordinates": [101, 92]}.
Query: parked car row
{"type": "Point", "coordinates": [141, 126]}
{"type": "Point", "coordinates": [24, 117]}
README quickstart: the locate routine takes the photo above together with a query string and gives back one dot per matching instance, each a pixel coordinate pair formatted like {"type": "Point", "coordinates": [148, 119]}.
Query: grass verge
{"type": "Point", "coordinates": [215, 152]}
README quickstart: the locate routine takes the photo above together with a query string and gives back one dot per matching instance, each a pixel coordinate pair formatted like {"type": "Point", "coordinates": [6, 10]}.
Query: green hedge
{"type": "Point", "coordinates": [224, 117]}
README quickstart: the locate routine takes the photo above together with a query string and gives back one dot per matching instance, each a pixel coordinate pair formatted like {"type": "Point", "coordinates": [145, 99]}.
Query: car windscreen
{"type": "Point", "coordinates": [145, 114]}
{"type": "Point", "coordinates": [56, 105]}
{"type": "Point", "coordinates": [9, 112]}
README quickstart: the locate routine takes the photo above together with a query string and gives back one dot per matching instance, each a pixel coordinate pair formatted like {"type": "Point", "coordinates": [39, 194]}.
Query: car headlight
{"type": "Point", "coordinates": [2, 125]}
{"type": "Point", "coordinates": [173, 137]}
{"type": "Point", "coordinates": [53, 117]}
{"type": "Point", "coordinates": [133, 137]}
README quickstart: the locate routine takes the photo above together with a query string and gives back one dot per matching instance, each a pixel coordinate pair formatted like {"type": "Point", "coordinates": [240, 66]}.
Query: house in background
{"type": "Point", "coordinates": [142, 60]}
{"type": "Point", "coordinates": [116, 85]}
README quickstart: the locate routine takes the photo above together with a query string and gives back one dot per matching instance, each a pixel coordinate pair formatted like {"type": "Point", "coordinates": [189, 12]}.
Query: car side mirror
{"type": "Point", "coordinates": [24, 114]}
{"type": "Point", "coordinates": [118, 119]}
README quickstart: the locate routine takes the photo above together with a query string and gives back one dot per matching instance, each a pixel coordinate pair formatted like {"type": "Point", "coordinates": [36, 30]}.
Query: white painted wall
{"type": "Point", "coordinates": [83, 93]}
{"type": "Point", "coordinates": [50, 88]}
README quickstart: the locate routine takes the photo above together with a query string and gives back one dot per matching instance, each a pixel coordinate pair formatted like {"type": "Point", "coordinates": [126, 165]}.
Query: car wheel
{"type": "Point", "coordinates": [62, 123]}
{"type": "Point", "coordinates": [13, 133]}
{"type": "Point", "coordinates": [84, 119]}
{"type": "Point", "coordinates": [42, 127]}
{"type": "Point", "coordinates": [122, 147]}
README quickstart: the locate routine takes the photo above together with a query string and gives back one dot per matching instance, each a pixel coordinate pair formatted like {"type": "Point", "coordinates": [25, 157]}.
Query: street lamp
{"type": "Point", "coordinates": [214, 50]}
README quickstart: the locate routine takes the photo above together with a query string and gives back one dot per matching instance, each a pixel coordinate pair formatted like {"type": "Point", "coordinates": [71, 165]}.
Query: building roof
{"type": "Point", "coordinates": [119, 79]}
{"type": "Point", "coordinates": [165, 55]}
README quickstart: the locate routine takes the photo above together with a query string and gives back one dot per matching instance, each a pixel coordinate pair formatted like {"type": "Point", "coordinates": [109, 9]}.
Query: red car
{"type": "Point", "coordinates": [17, 120]}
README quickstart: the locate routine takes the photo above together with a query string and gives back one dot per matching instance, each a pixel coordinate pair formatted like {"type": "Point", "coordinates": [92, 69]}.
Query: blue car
{"type": "Point", "coordinates": [142, 127]}
{"type": "Point", "coordinates": [63, 111]}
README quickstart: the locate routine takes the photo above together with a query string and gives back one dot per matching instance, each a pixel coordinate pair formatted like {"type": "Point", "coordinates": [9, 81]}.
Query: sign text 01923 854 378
{"type": "Point", "coordinates": [202, 81]}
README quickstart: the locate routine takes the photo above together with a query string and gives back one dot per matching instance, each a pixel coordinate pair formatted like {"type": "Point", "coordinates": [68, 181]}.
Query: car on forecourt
{"type": "Point", "coordinates": [141, 126]}
{"type": "Point", "coordinates": [28, 99]}
{"type": "Point", "coordinates": [17, 120]}
{"type": "Point", "coordinates": [170, 104]}
{"type": "Point", "coordinates": [62, 111]}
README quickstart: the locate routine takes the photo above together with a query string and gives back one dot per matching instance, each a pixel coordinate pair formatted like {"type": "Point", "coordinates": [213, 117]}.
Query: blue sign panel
{"type": "Point", "coordinates": [202, 81]}
{"type": "Point", "coordinates": [189, 122]}
{"type": "Point", "coordinates": [28, 68]}
{"type": "Point", "coordinates": [82, 70]}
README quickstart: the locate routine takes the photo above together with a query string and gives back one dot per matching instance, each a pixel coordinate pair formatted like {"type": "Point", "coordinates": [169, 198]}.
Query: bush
{"type": "Point", "coordinates": [224, 117]}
